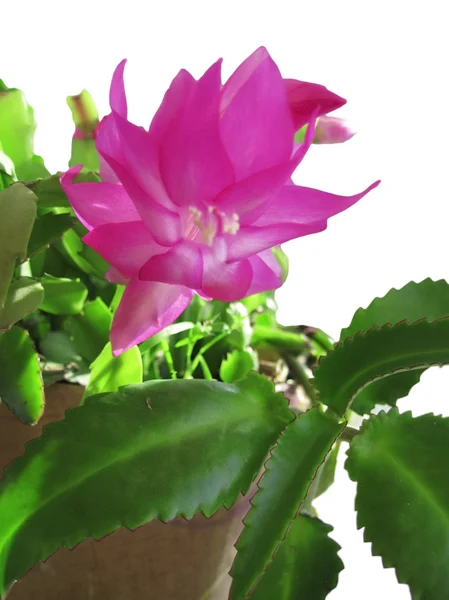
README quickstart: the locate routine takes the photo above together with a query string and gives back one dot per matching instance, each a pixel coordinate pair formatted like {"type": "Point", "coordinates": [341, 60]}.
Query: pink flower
{"type": "Point", "coordinates": [195, 203]}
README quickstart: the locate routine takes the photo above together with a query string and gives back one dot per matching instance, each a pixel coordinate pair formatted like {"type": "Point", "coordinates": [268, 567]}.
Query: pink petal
{"type": "Point", "coordinates": [225, 282]}
{"type": "Point", "coordinates": [98, 203]}
{"type": "Point", "coordinates": [146, 308]}
{"type": "Point", "coordinates": [130, 153]}
{"type": "Point", "coordinates": [193, 162]}
{"type": "Point", "coordinates": [256, 124]}
{"type": "Point", "coordinates": [126, 246]}
{"type": "Point", "coordinates": [302, 205]}
{"type": "Point", "coordinates": [249, 197]}
{"type": "Point", "coordinates": [304, 98]}
{"type": "Point", "coordinates": [332, 130]}
{"type": "Point", "coordinates": [252, 240]}
{"type": "Point", "coordinates": [181, 265]}
{"type": "Point", "coordinates": [265, 278]}
{"type": "Point", "coordinates": [176, 97]}
{"type": "Point", "coordinates": [117, 96]}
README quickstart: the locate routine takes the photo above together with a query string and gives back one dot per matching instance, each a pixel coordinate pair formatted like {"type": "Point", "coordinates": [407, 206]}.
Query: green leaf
{"type": "Point", "coordinates": [89, 330]}
{"type": "Point", "coordinates": [306, 564]}
{"type": "Point", "coordinates": [63, 296]}
{"type": "Point", "coordinates": [33, 169]}
{"type": "Point", "coordinates": [400, 466]}
{"type": "Point", "coordinates": [326, 475]}
{"type": "Point", "coordinates": [294, 463]}
{"type": "Point", "coordinates": [7, 172]}
{"type": "Point", "coordinates": [427, 299]}
{"type": "Point", "coordinates": [17, 125]}
{"type": "Point", "coordinates": [24, 297]}
{"type": "Point", "coordinates": [109, 373]}
{"type": "Point", "coordinates": [18, 212]}
{"type": "Point", "coordinates": [59, 348]}
{"type": "Point", "coordinates": [237, 364]}
{"type": "Point", "coordinates": [151, 451]}
{"type": "Point", "coordinates": [21, 387]}
{"type": "Point", "coordinates": [84, 257]}
{"type": "Point", "coordinates": [379, 353]}
{"type": "Point", "coordinates": [48, 228]}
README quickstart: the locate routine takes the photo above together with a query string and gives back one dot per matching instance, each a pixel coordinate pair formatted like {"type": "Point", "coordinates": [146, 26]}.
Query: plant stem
{"type": "Point", "coordinates": [300, 376]}
{"type": "Point", "coordinates": [168, 358]}
{"type": "Point", "coordinates": [348, 434]}
{"type": "Point", "coordinates": [204, 349]}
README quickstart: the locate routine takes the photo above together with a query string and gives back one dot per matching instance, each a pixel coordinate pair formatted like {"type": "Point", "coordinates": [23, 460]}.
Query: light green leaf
{"type": "Point", "coordinates": [21, 387]}
{"type": "Point", "coordinates": [151, 451]}
{"type": "Point", "coordinates": [17, 215]}
{"type": "Point", "coordinates": [293, 465]}
{"type": "Point", "coordinates": [427, 299]}
{"type": "Point", "coordinates": [237, 364]}
{"type": "Point", "coordinates": [89, 329]}
{"type": "Point", "coordinates": [24, 297]}
{"type": "Point", "coordinates": [63, 296]}
{"type": "Point", "coordinates": [306, 564]}
{"type": "Point", "coordinates": [379, 353]}
{"type": "Point", "coordinates": [109, 373]}
{"type": "Point", "coordinates": [400, 465]}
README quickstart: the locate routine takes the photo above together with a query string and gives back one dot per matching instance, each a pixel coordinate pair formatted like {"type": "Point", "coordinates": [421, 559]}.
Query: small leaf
{"type": "Point", "coordinates": [84, 257]}
{"type": "Point", "coordinates": [109, 373]}
{"type": "Point", "coordinates": [306, 564]}
{"type": "Point", "coordinates": [48, 228]}
{"type": "Point", "coordinates": [90, 329]}
{"type": "Point", "coordinates": [379, 353]}
{"type": "Point", "coordinates": [18, 212]}
{"type": "Point", "coordinates": [400, 466]}
{"type": "Point", "coordinates": [21, 387]}
{"type": "Point", "coordinates": [156, 450]}
{"type": "Point", "coordinates": [24, 297]}
{"type": "Point", "coordinates": [63, 296]}
{"type": "Point", "coordinates": [291, 468]}
{"type": "Point", "coordinates": [17, 125]}
{"type": "Point", "coordinates": [238, 364]}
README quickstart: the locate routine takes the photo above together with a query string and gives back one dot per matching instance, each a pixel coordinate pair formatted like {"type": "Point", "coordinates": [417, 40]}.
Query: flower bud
{"type": "Point", "coordinates": [85, 117]}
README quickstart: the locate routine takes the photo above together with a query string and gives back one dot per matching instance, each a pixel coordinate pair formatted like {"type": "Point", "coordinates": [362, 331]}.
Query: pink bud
{"type": "Point", "coordinates": [332, 130]}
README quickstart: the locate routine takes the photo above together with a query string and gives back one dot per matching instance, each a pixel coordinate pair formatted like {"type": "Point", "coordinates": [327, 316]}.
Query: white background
{"type": "Point", "coordinates": [388, 58]}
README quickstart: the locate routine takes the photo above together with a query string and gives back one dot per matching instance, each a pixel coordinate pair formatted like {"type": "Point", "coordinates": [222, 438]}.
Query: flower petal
{"type": "Point", "coordinates": [252, 240]}
{"type": "Point", "coordinates": [264, 278]}
{"type": "Point", "coordinates": [249, 197]}
{"type": "Point", "coordinates": [146, 308]}
{"type": "Point", "coordinates": [256, 124]}
{"type": "Point", "coordinates": [115, 276]}
{"type": "Point", "coordinates": [304, 98]}
{"type": "Point", "coordinates": [193, 162]}
{"type": "Point", "coordinates": [117, 96]}
{"type": "Point", "coordinates": [98, 203]}
{"type": "Point", "coordinates": [175, 99]}
{"type": "Point", "coordinates": [126, 246]}
{"type": "Point", "coordinates": [182, 265]}
{"type": "Point", "coordinates": [302, 205]}
{"type": "Point", "coordinates": [223, 281]}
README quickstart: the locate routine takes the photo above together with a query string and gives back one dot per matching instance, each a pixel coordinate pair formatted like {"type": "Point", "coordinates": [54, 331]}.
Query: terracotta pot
{"type": "Point", "coordinates": [182, 560]}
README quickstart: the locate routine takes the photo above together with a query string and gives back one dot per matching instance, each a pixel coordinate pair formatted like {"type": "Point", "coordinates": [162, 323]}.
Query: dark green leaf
{"type": "Point", "coordinates": [63, 296]}
{"type": "Point", "coordinates": [400, 465]}
{"type": "Point", "coordinates": [378, 353]}
{"type": "Point", "coordinates": [151, 451]}
{"type": "Point", "coordinates": [18, 212]}
{"type": "Point", "coordinates": [21, 386]}
{"type": "Point", "coordinates": [306, 565]}
{"type": "Point", "coordinates": [109, 373]}
{"type": "Point", "coordinates": [238, 364]}
{"type": "Point", "coordinates": [90, 329]}
{"type": "Point", "coordinates": [427, 299]}
{"type": "Point", "coordinates": [24, 297]}
{"type": "Point", "coordinates": [57, 347]}
{"type": "Point", "coordinates": [47, 228]}
{"type": "Point", "coordinates": [294, 462]}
